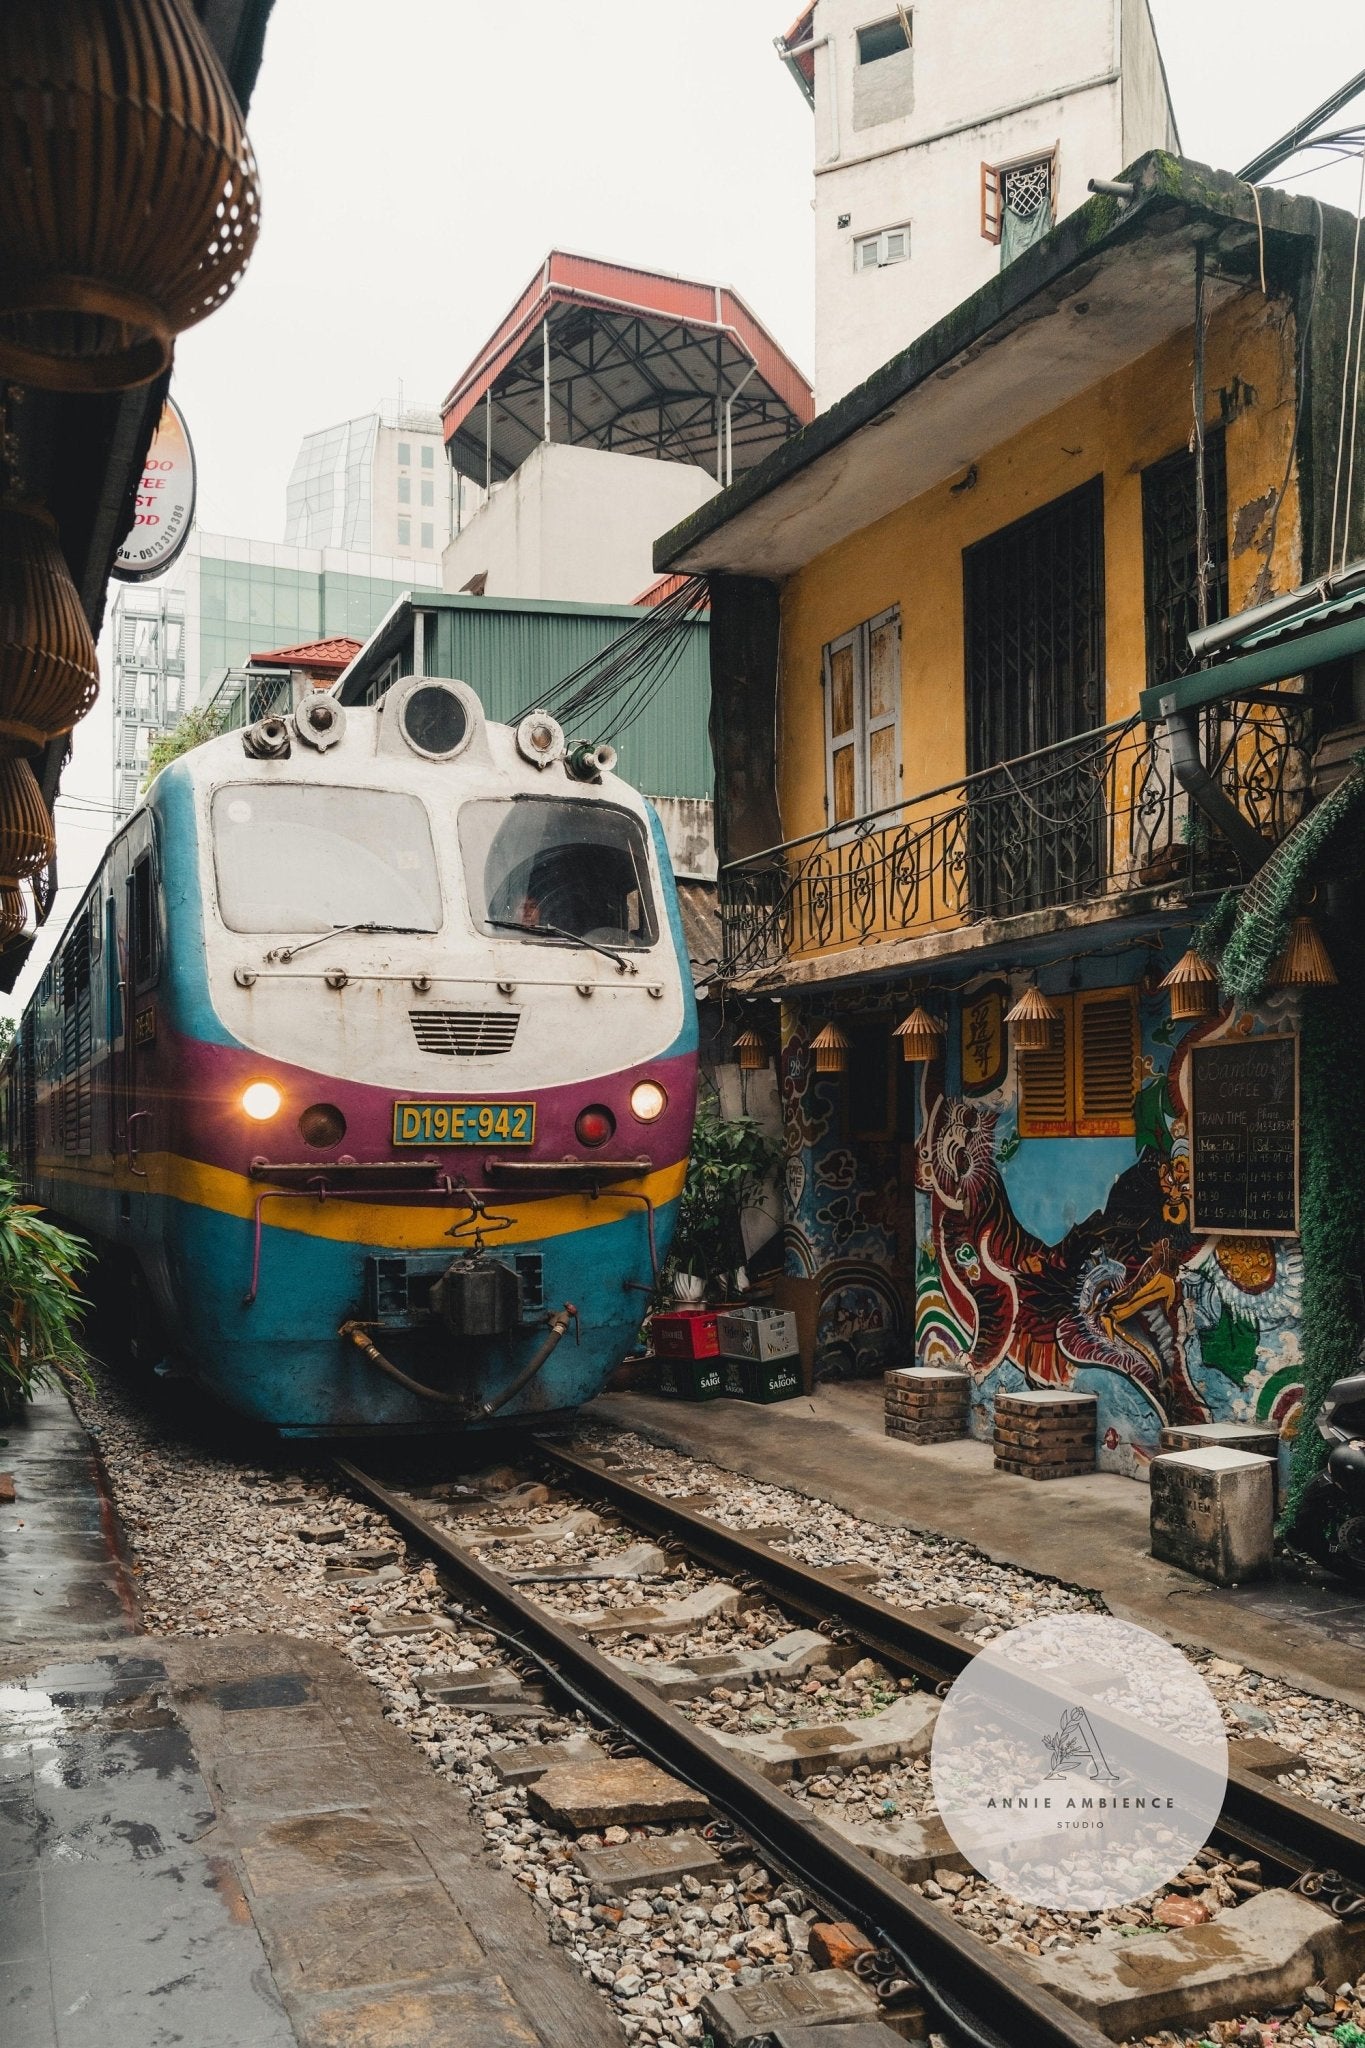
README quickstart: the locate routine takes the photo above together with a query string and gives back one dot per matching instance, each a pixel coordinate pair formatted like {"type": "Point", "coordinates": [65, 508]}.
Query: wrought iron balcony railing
{"type": "Point", "coordinates": [1100, 815]}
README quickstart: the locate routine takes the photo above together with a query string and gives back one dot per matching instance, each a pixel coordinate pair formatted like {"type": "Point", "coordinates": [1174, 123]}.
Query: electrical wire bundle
{"type": "Point", "coordinates": [617, 685]}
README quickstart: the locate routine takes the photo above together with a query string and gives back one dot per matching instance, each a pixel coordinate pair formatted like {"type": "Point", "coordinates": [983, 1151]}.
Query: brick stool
{"type": "Point", "coordinates": [926, 1404]}
{"type": "Point", "coordinates": [1045, 1433]}
{"type": "Point", "coordinates": [1213, 1513]}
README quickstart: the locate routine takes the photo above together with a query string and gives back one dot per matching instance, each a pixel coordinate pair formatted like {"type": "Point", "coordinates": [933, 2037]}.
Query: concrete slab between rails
{"type": "Point", "coordinates": [1090, 1531]}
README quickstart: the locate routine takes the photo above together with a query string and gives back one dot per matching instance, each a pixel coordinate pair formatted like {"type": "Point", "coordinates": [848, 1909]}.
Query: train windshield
{"type": "Point", "coordinates": [298, 857]}
{"type": "Point", "coordinates": [550, 870]}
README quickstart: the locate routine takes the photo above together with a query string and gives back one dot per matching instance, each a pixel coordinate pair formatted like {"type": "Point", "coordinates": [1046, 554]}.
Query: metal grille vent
{"type": "Point", "coordinates": [465, 1034]}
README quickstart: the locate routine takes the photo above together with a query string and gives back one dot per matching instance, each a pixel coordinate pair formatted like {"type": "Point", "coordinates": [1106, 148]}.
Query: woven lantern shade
{"type": "Point", "coordinates": [26, 841]}
{"type": "Point", "coordinates": [131, 201]}
{"type": "Point", "coordinates": [921, 1035]}
{"type": "Point", "coordinates": [48, 673]}
{"type": "Point", "coordinates": [1033, 1021]}
{"type": "Point", "coordinates": [753, 1053]}
{"type": "Point", "coordinates": [1193, 986]}
{"type": "Point", "coordinates": [829, 1050]}
{"type": "Point", "coordinates": [12, 917]}
{"type": "Point", "coordinates": [1305, 961]}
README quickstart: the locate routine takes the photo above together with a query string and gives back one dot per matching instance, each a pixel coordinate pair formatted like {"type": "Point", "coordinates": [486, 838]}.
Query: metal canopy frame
{"type": "Point", "coordinates": [628, 381]}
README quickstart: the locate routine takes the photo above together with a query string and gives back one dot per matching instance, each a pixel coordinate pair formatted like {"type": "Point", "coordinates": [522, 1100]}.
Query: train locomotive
{"type": "Point", "coordinates": [368, 1065]}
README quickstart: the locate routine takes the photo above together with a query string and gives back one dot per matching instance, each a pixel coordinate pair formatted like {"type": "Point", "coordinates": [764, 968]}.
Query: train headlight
{"type": "Point", "coordinates": [648, 1101]}
{"type": "Point", "coordinates": [261, 1101]}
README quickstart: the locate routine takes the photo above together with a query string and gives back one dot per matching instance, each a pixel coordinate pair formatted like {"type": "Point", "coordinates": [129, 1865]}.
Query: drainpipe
{"type": "Point", "coordinates": [789, 53]}
{"type": "Point", "coordinates": [1194, 778]}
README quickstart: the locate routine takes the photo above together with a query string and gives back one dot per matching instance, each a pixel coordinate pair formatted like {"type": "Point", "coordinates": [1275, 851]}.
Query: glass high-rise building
{"type": "Point", "coordinates": [379, 484]}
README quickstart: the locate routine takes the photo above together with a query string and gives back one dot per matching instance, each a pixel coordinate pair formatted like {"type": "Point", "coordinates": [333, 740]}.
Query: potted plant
{"type": "Point", "coordinates": [732, 1158]}
{"type": "Point", "coordinates": [40, 1307]}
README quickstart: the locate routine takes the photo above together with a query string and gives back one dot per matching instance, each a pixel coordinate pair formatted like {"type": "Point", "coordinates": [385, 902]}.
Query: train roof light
{"type": "Point", "coordinates": [320, 720]}
{"type": "Point", "coordinates": [433, 716]}
{"type": "Point", "coordinates": [540, 739]}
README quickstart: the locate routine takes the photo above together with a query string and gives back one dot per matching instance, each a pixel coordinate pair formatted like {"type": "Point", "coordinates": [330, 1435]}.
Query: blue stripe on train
{"type": "Point", "coordinates": [281, 1361]}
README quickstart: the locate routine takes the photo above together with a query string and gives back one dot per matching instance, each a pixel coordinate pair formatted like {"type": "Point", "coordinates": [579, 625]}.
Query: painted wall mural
{"type": "Point", "coordinates": [1062, 1262]}
{"type": "Point", "coordinates": [1124, 1301]}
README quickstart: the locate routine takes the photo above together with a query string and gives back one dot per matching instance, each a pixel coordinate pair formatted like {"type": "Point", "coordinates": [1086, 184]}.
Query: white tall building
{"type": "Point", "coordinates": [150, 696]}
{"type": "Point", "coordinates": [379, 484]}
{"type": "Point", "coordinates": [949, 135]}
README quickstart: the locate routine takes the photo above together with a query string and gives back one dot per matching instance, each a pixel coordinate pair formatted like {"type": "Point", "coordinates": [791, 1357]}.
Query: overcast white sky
{"type": "Point", "coordinates": [417, 160]}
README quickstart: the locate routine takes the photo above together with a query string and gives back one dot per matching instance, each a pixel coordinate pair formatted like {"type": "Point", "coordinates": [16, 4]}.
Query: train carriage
{"type": "Point", "coordinates": [369, 1062]}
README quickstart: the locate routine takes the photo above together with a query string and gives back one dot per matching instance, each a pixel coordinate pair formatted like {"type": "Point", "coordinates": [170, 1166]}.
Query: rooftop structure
{"type": "Point", "coordinates": [607, 405]}
{"type": "Point", "coordinates": [635, 362]}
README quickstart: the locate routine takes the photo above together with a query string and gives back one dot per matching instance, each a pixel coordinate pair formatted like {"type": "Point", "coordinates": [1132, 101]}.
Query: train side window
{"type": "Point", "coordinates": [143, 920]}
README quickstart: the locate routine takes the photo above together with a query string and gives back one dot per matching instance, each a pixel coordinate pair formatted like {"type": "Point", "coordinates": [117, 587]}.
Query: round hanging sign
{"type": "Point", "coordinates": [165, 502]}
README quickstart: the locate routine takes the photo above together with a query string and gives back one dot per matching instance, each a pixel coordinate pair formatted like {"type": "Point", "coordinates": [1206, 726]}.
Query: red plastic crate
{"type": "Point", "coordinates": [686, 1333]}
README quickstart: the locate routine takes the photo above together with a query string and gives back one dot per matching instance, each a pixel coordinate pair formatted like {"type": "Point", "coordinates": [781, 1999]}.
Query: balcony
{"type": "Point", "coordinates": [1097, 819]}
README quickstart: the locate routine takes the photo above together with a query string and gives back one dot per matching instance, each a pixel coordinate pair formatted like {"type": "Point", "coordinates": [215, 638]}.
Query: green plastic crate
{"type": "Point", "coordinates": [691, 1379]}
{"type": "Point", "coordinates": [762, 1379]}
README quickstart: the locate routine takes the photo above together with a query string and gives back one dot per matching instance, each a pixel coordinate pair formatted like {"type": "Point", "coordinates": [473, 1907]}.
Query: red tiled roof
{"type": "Point", "coordinates": [800, 32]}
{"type": "Point", "coordinates": [326, 657]}
{"type": "Point", "coordinates": [665, 586]}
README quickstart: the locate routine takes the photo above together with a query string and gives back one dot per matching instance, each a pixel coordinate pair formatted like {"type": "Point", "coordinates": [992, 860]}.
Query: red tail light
{"type": "Point", "coordinates": [594, 1125]}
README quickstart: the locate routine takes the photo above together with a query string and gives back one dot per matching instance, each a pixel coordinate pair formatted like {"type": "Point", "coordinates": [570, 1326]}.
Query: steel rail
{"type": "Point", "coordinates": [1289, 1836]}
{"type": "Point", "coordinates": [956, 1971]}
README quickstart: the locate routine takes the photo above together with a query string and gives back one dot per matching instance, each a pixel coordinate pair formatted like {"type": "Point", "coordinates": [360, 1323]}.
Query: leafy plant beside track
{"type": "Point", "coordinates": [41, 1266]}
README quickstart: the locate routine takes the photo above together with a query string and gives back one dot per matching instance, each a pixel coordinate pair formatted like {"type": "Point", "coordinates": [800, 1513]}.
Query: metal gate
{"type": "Point", "coordinates": [1034, 616]}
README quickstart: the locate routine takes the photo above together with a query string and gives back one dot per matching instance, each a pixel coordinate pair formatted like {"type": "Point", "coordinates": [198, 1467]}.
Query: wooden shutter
{"type": "Point", "coordinates": [1104, 1037]}
{"type": "Point", "coordinates": [843, 781]}
{"type": "Point", "coordinates": [1045, 1096]}
{"type": "Point", "coordinates": [990, 202]}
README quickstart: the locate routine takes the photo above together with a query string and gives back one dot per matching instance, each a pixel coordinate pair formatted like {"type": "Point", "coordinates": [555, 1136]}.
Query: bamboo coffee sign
{"type": "Point", "coordinates": [1244, 1137]}
{"type": "Point", "coordinates": [165, 502]}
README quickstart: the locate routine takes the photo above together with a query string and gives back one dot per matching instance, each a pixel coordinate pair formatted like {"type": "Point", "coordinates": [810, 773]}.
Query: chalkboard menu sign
{"type": "Point", "coordinates": [1244, 1137]}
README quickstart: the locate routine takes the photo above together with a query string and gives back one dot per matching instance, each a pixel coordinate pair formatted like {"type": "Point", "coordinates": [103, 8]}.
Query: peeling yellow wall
{"type": "Point", "coordinates": [913, 557]}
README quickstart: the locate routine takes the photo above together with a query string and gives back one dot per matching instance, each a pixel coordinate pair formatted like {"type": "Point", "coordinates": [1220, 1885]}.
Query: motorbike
{"type": "Point", "coordinates": [1330, 1525]}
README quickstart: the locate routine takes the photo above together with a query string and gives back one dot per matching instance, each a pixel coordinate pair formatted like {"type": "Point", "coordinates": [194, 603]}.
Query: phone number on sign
{"type": "Point", "coordinates": [464, 1123]}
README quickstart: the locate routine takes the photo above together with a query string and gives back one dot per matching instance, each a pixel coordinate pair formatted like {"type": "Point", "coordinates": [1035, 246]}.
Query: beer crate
{"type": "Point", "coordinates": [762, 1379]}
{"type": "Point", "coordinates": [691, 1379]}
{"type": "Point", "coordinates": [685, 1333]}
{"type": "Point", "coordinates": [757, 1333]}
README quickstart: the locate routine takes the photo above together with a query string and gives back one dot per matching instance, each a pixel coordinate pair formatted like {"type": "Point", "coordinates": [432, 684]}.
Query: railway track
{"type": "Point", "coordinates": [969, 1989]}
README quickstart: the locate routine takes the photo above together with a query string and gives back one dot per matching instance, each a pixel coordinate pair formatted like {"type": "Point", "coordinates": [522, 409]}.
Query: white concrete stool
{"type": "Point", "coordinates": [1213, 1513]}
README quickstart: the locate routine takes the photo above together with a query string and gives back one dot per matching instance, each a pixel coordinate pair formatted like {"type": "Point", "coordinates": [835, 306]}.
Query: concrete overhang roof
{"type": "Point", "coordinates": [1112, 281]}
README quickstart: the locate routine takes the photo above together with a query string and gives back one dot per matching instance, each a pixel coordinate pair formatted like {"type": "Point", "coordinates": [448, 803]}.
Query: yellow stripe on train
{"type": "Point", "coordinates": [346, 1219]}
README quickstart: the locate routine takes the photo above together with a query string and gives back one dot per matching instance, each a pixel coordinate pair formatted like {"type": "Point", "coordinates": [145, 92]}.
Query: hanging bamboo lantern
{"type": "Point", "coordinates": [1305, 961]}
{"type": "Point", "coordinates": [1033, 1020]}
{"type": "Point", "coordinates": [26, 841]}
{"type": "Point", "coordinates": [48, 673]}
{"type": "Point", "coordinates": [131, 203]}
{"type": "Point", "coordinates": [1193, 986]}
{"type": "Point", "coordinates": [12, 914]}
{"type": "Point", "coordinates": [829, 1049]}
{"type": "Point", "coordinates": [753, 1053]}
{"type": "Point", "coordinates": [921, 1035]}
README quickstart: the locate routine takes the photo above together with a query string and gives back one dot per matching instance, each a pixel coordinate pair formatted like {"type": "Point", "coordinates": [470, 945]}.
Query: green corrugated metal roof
{"type": "Point", "coordinates": [1268, 654]}
{"type": "Point", "coordinates": [513, 650]}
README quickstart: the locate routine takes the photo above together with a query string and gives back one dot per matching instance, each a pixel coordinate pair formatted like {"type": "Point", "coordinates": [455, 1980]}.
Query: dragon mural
{"type": "Point", "coordinates": [1108, 1295]}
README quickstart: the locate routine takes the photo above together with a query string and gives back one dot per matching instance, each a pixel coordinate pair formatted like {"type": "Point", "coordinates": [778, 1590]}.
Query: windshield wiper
{"type": "Point", "coordinates": [288, 952]}
{"type": "Point", "coordinates": [557, 931]}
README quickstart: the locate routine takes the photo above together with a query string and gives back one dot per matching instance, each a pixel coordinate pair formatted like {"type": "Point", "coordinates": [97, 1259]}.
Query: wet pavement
{"type": "Point", "coordinates": [224, 1844]}
{"type": "Point", "coordinates": [1090, 1531]}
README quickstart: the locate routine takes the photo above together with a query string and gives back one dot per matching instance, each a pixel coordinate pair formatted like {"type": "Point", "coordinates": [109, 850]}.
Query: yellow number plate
{"type": "Point", "coordinates": [464, 1123]}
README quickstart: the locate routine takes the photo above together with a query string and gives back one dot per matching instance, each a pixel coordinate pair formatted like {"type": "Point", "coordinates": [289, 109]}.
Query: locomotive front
{"type": "Point", "coordinates": [429, 1080]}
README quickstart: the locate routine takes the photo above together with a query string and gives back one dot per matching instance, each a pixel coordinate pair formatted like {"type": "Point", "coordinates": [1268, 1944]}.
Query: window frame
{"type": "Point", "coordinates": [993, 187]}
{"type": "Point", "coordinates": [899, 18]}
{"type": "Point", "coordinates": [1078, 1121]}
{"type": "Point", "coordinates": [404, 530]}
{"type": "Point", "coordinates": [864, 727]}
{"type": "Point", "coordinates": [882, 237]}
